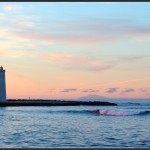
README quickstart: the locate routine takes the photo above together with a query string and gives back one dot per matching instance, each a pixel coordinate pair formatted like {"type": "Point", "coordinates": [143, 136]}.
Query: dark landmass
{"type": "Point", "coordinates": [40, 102]}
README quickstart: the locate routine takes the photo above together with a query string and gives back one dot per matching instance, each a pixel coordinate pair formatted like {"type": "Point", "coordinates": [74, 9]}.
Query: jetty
{"type": "Point", "coordinates": [54, 103]}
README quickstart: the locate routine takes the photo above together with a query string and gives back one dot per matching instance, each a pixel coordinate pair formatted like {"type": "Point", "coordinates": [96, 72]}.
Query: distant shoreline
{"type": "Point", "coordinates": [41, 102]}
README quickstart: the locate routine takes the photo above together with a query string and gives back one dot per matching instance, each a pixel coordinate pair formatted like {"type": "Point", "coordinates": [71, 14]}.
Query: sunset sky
{"type": "Point", "coordinates": [73, 49]}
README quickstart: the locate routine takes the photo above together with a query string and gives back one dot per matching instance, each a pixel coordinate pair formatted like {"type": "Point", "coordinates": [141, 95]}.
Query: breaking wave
{"type": "Point", "coordinates": [106, 112]}
{"type": "Point", "coordinates": [103, 112]}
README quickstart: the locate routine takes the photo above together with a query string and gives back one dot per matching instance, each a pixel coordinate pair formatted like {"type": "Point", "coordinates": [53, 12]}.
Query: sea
{"type": "Point", "coordinates": [124, 126]}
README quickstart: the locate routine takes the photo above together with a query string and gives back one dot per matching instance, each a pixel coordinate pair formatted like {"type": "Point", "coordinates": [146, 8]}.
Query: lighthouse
{"type": "Point", "coordinates": [2, 85]}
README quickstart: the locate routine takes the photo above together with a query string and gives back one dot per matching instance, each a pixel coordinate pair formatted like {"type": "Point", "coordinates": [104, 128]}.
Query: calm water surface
{"type": "Point", "coordinates": [125, 125]}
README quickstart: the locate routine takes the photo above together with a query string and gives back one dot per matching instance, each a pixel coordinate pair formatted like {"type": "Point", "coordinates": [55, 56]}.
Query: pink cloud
{"type": "Point", "coordinates": [77, 62]}
{"type": "Point", "coordinates": [63, 58]}
{"type": "Point", "coordinates": [77, 32]}
{"type": "Point", "coordinates": [72, 39]}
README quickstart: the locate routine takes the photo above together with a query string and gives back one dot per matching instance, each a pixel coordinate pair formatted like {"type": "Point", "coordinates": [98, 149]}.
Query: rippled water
{"type": "Point", "coordinates": [74, 126]}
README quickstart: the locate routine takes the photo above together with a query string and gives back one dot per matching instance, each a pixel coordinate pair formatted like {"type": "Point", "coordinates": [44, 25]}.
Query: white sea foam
{"type": "Point", "coordinates": [107, 112]}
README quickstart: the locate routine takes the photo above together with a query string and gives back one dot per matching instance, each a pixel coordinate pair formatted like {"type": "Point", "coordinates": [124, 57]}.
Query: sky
{"type": "Point", "coordinates": [67, 50]}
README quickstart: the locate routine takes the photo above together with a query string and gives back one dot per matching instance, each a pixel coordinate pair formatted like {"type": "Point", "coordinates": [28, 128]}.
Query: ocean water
{"type": "Point", "coordinates": [124, 126]}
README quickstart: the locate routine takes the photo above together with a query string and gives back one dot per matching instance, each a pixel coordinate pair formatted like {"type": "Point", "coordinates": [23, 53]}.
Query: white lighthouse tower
{"type": "Point", "coordinates": [2, 85]}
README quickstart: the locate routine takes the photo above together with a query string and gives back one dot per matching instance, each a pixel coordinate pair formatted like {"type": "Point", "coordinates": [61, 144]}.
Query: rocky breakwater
{"type": "Point", "coordinates": [54, 103]}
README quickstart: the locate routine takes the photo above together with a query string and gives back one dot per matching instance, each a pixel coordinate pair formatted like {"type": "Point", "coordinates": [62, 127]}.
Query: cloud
{"type": "Point", "coordinates": [9, 8]}
{"type": "Point", "coordinates": [14, 54]}
{"type": "Point", "coordinates": [76, 32]}
{"type": "Point", "coordinates": [132, 58]}
{"type": "Point", "coordinates": [90, 67]}
{"type": "Point", "coordinates": [82, 31]}
{"type": "Point", "coordinates": [145, 91]}
{"type": "Point", "coordinates": [127, 90]}
{"type": "Point", "coordinates": [139, 31]}
{"type": "Point", "coordinates": [51, 90]}
{"type": "Point", "coordinates": [69, 90]}
{"type": "Point", "coordinates": [120, 82]}
{"type": "Point", "coordinates": [77, 62]}
{"type": "Point", "coordinates": [25, 23]}
{"type": "Point", "coordinates": [90, 91]}
{"type": "Point", "coordinates": [74, 89]}
{"type": "Point", "coordinates": [85, 31]}
{"type": "Point", "coordinates": [59, 57]}
{"type": "Point", "coordinates": [112, 90]}
{"type": "Point", "coordinates": [71, 39]}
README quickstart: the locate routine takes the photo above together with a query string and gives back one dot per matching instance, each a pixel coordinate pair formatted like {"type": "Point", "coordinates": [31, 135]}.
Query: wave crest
{"type": "Point", "coordinates": [106, 112]}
